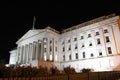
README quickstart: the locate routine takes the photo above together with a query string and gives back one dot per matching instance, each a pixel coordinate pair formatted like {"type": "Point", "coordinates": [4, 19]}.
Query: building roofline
{"type": "Point", "coordinates": [89, 22]}
{"type": "Point", "coordinates": [53, 29]}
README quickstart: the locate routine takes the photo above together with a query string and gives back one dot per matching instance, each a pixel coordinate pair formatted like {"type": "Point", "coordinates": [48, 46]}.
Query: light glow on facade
{"type": "Point", "coordinates": [94, 44]}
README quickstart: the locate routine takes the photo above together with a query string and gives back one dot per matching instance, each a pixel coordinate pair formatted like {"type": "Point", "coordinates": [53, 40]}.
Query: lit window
{"type": "Point", "coordinates": [83, 54]}
{"type": "Point", "coordinates": [75, 39]}
{"type": "Point", "coordinates": [82, 37]}
{"type": "Point", "coordinates": [107, 39]}
{"type": "Point", "coordinates": [97, 33]}
{"type": "Point", "coordinates": [45, 50]}
{"type": "Point", "coordinates": [105, 31]}
{"type": "Point", "coordinates": [89, 35]}
{"type": "Point", "coordinates": [98, 41]}
{"type": "Point", "coordinates": [109, 50]}
{"type": "Point", "coordinates": [76, 55]}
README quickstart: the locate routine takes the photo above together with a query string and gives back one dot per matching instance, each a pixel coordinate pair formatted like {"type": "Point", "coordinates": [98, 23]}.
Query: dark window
{"type": "Point", "coordinates": [70, 57]}
{"type": "Point", "coordinates": [83, 45]}
{"type": "Point", "coordinates": [100, 53]}
{"type": "Point", "coordinates": [89, 35]}
{"type": "Point", "coordinates": [109, 50]}
{"type": "Point", "coordinates": [75, 39]}
{"type": "Point", "coordinates": [69, 41]}
{"type": "Point", "coordinates": [105, 31]}
{"type": "Point", "coordinates": [90, 44]}
{"type": "Point", "coordinates": [76, 55]}
{"type": "Point", "coordinates": [55, 42]}
{"type": "Point", "coordinates": [63, 49]}
{"type": "Point", "coordinates": [50, 41]}
{"type": "Point", "coordinates": [91, 55]}
{"type": "Point", "coordinates": [107, 39]}
{"type": "Point", "coordinates": [56, 49]}
{"type": "Point", "coordinates": [63, 57]}
{"type": "Point", "coordinates": [82, 37]}
{"type": "Point", "coordinates": [76, 46]}
{"type": "Point", "coordinates": [98, 41]}
{"type": "Point", "coordinates": [63, 42]}
{"type": "Point", "coordinates": [69, 47]}
{"type": "Point", "coordinates": [97, 33]}
{"type": "Point", "coordinates": [50, 48]}
{"type": "Point", "coordinates": [83, 54]}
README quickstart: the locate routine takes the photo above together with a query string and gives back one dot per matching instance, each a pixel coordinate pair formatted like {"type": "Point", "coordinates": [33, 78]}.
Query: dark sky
{"type": "Point", "coordinates": [16, 17]}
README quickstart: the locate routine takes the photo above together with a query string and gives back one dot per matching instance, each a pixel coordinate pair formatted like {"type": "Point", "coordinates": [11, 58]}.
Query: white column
{"type": "Point", "coordinates": [17, 59]}
{"type": "Point", "coordinates": [28, 59]}
{"type": "Point", "coordinates": [22, 50]}
{"type": "Point", "coordinates": [24, 55]}
{"type": "Point", "coordinates": [20, 55]}
{"type": "Point", "coordinates": [39, 50]}
{"type": "Point", "coordinates": [31, 50]}
{"type": "Point", "coordinates": [42, 51]}
{"type": "Point", "coordinates": [27, 53]}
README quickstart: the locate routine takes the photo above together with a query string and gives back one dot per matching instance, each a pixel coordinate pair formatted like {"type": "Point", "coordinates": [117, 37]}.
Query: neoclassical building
{"type": "Point", "coordinates": [94, 44]}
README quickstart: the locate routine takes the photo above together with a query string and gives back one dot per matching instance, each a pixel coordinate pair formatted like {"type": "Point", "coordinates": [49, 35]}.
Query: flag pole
{"type": "Point", "coordinates": [34, 19]}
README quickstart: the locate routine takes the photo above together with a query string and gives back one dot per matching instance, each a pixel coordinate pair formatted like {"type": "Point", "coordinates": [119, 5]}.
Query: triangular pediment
{"type": "Point", "coordinates": [30, 33]}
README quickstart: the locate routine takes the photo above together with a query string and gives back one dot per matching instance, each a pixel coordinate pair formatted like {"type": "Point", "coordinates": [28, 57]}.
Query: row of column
{"type": "Point", "coordinates": [29, 52]}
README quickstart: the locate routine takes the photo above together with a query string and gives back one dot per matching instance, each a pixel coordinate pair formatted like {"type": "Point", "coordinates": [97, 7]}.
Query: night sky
{"type": "Point", "coordinates": [16, 17]}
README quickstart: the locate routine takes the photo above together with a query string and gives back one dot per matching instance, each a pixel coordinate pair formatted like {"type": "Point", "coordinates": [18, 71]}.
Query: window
{"type": "Point", "coordinates": [83, 54]}
{"type": "Point", "coordinates": [91, 55]}
{"type": "Point", "coordinates": [109, 50]}
{"type": "Point", "coordinates": [75, 39]}
{"type": "Point", "coordinates": [69, 41]}
{"type": "Point", "coordinates": [63, 42]}
{"type": "Point", "coordinates": [76, 46]}
{"type": "Point", "coordinates": [98, 41]}
{"type": "Point", "coordinates": [69, 47]}
{"type": "Point", "coordinates": [76, 55]}
{"type": "Point", "coordinates": [82, 37]}
{"type": "Point", "coordinates": [105, 31]}
{"type": "Point", "coordinates": [63, 57]}
{"type": "Point", "coordinates": [100, 53]}
{"type": "Point", "coordinates": [55, 42]}
{"type": "Point", "coordinates": [90, 44]}
{"type": "Point", "coordinates": [50, 41]}
{"type": "Point", "coordinates": [50, 48]}
{"type": "Point", "coordinates": [45, 50]}
{"type": "Point", "coordinates": [107, 39]}
{"type": "Point", "coordinates": [70, 57]}
{"type": "Point", "coordinates": [82, 45]}
{"type": "Point", "coordinates": [63, 49]}
{"type": "Point", "coordinates": [97, 33]}
{"type": "Point", "coordinates": [56, 49]}
{"type": "Point", "coordinates": [89, 35]}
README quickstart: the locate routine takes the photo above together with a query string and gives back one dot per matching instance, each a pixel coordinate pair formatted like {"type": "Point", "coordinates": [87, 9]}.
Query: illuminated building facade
{"type": "Point", "coordinates": [94, 44]}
